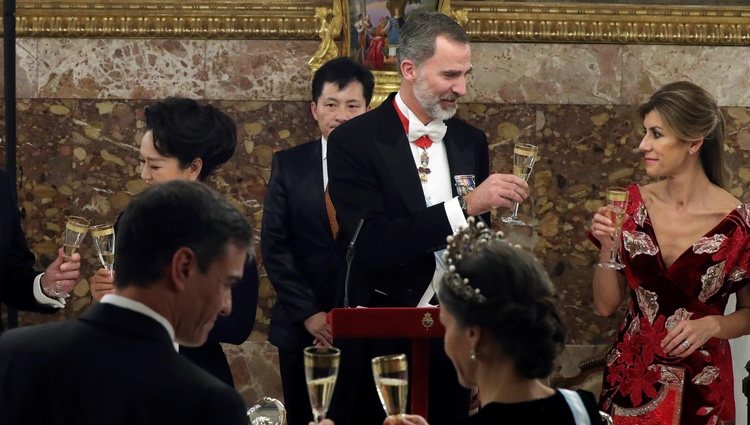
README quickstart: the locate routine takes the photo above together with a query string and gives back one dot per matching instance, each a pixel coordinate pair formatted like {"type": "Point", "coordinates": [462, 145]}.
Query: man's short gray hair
{"type": "Point", "coordinates": [418, 35]}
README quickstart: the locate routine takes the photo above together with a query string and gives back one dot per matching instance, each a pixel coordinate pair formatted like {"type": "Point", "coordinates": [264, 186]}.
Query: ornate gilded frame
{"type": "Point", "coordinates": [257, 19]}
{"type": "Point", "coordinates": [604, 23]}
{"type": "Point", "coordinates": [335, 20]}
{"type": "Point", "coordinates": [486, 20]}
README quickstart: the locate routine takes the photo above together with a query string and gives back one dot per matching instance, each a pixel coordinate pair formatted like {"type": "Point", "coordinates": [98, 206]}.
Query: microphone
{"type": "Point", "coordinates": [349, 259]}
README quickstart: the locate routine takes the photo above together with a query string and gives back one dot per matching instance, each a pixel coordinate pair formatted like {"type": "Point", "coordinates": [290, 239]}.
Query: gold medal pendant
{"type": "Point", "coordinates": [424, 169]}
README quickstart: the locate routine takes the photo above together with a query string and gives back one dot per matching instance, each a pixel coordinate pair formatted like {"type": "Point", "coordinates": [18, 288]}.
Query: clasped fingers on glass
{"type": "Point", "coordinates": [75, 230]}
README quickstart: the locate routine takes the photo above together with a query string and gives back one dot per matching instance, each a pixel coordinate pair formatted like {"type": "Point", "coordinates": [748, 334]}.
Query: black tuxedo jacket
{"type": "Point", "coordinates": [109, 366]}
{"type": "Point", "coordinates": [299, 251]}
{"type": "Point", "coordinates": [373, 177]}
{"type": "Point", "coordinates": [16, 261]}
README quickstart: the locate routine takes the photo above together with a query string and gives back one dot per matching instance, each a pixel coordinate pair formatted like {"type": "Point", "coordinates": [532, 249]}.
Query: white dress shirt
{"type": "Point", "coordinates": [436, 189]}
{"type": "Point", "coordinates": [324, 153]}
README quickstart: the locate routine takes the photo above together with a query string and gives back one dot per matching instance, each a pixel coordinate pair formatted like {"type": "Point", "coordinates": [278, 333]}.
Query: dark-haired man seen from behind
{"type": "Point", "coordinates": [399, 168]}
{"type": "Point", "coordinates": [298, 237]}
{"type": "Point", "coordinates": [180, 248]}
{"type": "Point", "coordinates": [21, 286]}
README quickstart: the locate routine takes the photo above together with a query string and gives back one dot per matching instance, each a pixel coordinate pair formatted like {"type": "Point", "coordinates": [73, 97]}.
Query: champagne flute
{"type": "Point", "coordinates": [391, 375]}
{"type": "Point", "coordinates": [104, 241]}
{"type": "Point", "coordinates": [75, 231]}
{"type": "Point", "coordinates": [524, 157]}
{"type": "Point", "coordinates": [321, 370]}
{"type": "Point", "coordinates": [617, 202]}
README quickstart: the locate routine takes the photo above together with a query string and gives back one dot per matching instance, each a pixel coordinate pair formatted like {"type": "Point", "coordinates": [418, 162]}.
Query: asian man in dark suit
{"type": "Point", "coordinates": [180, 248]}
{"type": "Point", "coordinates": [297, 239]}
{"type": "Point", "coordinates": [21, 286]}
{"type": "Point", "coordinates": [413, 173]}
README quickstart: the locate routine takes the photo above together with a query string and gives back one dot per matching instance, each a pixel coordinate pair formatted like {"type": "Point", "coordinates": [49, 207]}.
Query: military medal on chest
{"type": "Point", "coordinates": [423, 143]}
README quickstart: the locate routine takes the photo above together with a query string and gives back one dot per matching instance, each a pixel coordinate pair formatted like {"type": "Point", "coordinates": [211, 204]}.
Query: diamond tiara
{"type": "Point", "coordinates": [468, 240]}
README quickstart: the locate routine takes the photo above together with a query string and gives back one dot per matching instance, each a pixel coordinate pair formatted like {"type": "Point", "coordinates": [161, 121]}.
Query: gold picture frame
{"type": "Point", "coordinates": [613, 22]}
{"type": "Point", "coordinates": [485, 20]}
{"type": "Point", "coordinates": [334, 23]}
{"type": "Point", "coordinates": [230, 19]}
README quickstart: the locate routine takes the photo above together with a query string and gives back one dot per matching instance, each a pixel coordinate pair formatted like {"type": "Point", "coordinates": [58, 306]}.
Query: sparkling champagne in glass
{"type": "Point", "coordinates": [524, 157]}
{"type": "Point", "coordinates": [391, 374]}
{"type": "Point", "coordinates": [321, 370]}
{"type": "Point", "coordinates": [75, 231]}
{"type": "Point", "coordinates": [617, 202]}
{"type": "Point", "coordinates": [104, 241]}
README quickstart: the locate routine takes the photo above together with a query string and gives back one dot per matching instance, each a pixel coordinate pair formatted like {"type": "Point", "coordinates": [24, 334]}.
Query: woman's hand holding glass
{"type": "Point", "coordinates": [102, 283]}
{"type": "Point", "coordinates": [611, 216]}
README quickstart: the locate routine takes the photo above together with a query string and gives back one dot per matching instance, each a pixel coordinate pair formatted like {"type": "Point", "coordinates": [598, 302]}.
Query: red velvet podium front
{"type": "Point", "coordinates": [417, 324]}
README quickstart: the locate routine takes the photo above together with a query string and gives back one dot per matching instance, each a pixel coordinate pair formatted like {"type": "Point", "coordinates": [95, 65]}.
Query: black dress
{"type": "Point", "coordinates": [550, 410]}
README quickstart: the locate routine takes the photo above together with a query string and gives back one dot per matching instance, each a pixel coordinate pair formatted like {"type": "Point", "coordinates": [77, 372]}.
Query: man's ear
{"type": "Point", "coordinates": [408, 70]}
{"type": "Point", "coordinates": [183, 265]}
{"type": "Point", "coordinates": [314, 110]}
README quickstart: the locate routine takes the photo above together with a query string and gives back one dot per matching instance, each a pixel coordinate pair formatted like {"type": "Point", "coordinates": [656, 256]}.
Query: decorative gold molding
{"type": "Point", "coordinates": [605, 23]}
{"type": "Point", "coordinates": [256, 19]}
{"type": "Point", "coordinates": [386, 82]}
{"type": "Point", "coordinates": [330, 23]}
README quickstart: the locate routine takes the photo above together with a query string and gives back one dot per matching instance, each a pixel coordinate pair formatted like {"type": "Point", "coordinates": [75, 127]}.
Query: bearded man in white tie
{"type": "Point", "coordinates": [413, 173]}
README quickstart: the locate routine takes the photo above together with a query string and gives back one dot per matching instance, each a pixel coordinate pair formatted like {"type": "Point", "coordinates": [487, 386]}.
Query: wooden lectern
{"type": "Point", "coordinates": [416, 324]}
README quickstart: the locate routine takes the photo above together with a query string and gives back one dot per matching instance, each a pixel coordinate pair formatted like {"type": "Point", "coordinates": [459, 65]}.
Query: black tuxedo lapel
{"type": "Point", "coordinates": [394, 147]}
{"type": "Point", "coordinates": [461, 159]}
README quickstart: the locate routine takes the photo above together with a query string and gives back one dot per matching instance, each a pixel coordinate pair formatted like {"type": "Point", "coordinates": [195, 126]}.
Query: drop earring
{"type": "Point", "coordinates": [473, 355]}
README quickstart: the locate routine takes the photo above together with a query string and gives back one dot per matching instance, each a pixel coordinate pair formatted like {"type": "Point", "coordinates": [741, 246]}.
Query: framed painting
{"type": "Point", "coordinates": [374, 29]}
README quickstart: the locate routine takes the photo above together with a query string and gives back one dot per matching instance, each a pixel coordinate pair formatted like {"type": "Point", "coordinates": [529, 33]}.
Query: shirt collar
{"type": "Point", "coordinates": [139, 307]}
{"type": "Point", "coordinates": [324, 147]}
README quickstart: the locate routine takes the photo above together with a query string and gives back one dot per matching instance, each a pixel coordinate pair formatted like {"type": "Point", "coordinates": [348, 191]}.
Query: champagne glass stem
{"type": "Point", "coordinates": [615, 245]}
{"type": "Point", "coordinates": [515, 209]}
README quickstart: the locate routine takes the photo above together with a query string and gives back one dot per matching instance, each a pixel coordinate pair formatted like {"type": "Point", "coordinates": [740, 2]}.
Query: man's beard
{"type": "Point", "coordinates": [431, 102]}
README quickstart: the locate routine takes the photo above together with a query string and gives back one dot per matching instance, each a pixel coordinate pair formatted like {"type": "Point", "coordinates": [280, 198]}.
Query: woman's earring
{"type": "Point", "coordinates": [473, 355]}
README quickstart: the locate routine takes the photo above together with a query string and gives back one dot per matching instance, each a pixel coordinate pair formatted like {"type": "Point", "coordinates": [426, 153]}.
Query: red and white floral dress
{"type": "Point", "coordinates": [644, 386]}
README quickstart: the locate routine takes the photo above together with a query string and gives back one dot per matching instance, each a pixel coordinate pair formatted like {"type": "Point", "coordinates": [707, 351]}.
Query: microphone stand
{"type": "Point", "coordinates": [349, 259]}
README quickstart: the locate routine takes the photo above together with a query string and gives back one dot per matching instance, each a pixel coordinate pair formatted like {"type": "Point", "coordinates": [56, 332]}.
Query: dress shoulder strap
{"type": "Point", "coordinates": [575, 402]}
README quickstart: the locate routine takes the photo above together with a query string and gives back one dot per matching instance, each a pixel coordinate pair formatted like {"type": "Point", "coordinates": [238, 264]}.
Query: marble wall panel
{"type": "Point", "coordinates": [545, 73]}
{"type": "Point", "coordinates": [121, 69]}
{"type": "Point", "coordinates": [26, 68]}
{"type": "Point", "coordinates": [276, 70]}
{"type": "Point", "coordinates": [79, 156]}
{"type": "Point", "coordinates": [259, 69]}
{"type": "Point", "coordinates": [720, 70]}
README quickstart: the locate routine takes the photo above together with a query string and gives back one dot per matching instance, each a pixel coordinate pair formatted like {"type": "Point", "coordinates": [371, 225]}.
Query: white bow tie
{"type": "Point", "coordinates": [435, 130]}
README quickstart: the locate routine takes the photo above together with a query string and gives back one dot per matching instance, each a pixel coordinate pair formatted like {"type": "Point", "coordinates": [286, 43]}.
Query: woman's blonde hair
{"type": "Point", "coordinates": [692, 114]}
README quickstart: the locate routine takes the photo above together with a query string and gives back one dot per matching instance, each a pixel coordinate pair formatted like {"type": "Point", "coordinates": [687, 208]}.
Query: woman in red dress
{"type": "Point", "coordinates": [685, 245]}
